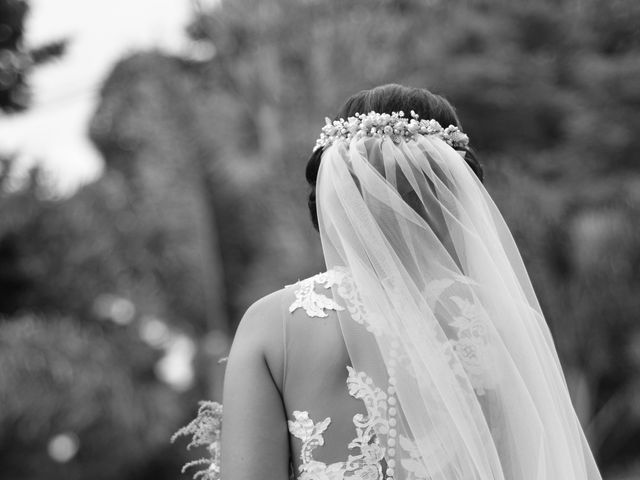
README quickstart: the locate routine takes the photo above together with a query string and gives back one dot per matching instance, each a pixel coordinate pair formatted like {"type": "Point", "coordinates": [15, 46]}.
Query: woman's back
{"type": "Point", "coordinates": [319, 389]}
{"type": "Point", "coordinates": [299, 332]}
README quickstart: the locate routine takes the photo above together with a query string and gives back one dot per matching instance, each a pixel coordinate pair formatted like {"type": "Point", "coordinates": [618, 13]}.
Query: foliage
{"type": "Point", "coordinates": [201, 209]}
{"type": "Point", "coordinates": [205, 432]}
{"type": "Point", "coordinates": [13, 92]}
{"type": "Point", "coordinates": [59, 378]}
{"type": "Point", "coordinates": [16, 61]}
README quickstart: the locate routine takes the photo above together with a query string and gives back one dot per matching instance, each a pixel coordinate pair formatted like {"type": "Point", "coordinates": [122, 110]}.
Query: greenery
{"type": "Point", "coordinates": [202, 207]}
{"type": "Point", "coordinates": [16, 61]}
{"type": "Point", "coordinates": [205, 432]}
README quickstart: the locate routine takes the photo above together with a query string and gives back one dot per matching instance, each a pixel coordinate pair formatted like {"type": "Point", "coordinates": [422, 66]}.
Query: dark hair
{"type": "Point", "coordinates": [387, 99]}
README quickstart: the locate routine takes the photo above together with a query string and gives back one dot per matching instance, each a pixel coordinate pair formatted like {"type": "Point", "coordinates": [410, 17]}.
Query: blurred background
{"type": "Point", "coordinates": [152, 187]}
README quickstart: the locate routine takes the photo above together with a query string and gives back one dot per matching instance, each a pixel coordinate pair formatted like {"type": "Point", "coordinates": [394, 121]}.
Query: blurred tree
{"type": "Point", "coordinates": [85, 259]}
{"type": "Point", "coordinates": [146, 128]}
{"type": "Point", "coordinates": [15, 60]}
{"type": "Point", "coordinates": [72, 406]}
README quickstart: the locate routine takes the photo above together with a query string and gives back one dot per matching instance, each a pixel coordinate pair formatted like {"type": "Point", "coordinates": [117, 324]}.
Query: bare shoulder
{"type": "Point", "coordinates": [260, 332]}
{"type": "Point", "coordinates": [264, 316]}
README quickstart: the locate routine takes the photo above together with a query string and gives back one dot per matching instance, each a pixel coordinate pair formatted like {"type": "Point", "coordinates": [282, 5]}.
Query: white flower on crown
{"type": "Point", "coordinates": [395, 126]}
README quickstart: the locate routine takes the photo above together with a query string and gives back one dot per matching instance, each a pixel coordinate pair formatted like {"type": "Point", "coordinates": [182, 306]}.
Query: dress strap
{"type": "Point", "coordinates": [285, 317]}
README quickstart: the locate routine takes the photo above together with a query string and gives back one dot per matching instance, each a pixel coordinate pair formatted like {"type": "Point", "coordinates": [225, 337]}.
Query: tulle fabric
{"type": "Point", "coordinates": [446, 316]}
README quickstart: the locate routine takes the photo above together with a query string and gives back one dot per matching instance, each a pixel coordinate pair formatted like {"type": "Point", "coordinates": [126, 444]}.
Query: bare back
{"type": "Point", "coordinates": [315, 378]}
{"type": "Point", "coordinates": [309, 406]}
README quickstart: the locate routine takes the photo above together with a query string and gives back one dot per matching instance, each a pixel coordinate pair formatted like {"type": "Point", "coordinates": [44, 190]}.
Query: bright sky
{"type": "Point", "coordinates": [53, 132]}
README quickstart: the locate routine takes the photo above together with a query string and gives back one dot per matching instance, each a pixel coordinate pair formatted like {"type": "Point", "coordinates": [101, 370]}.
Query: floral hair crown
{"type": "Point", "coordinates": [394, 126]}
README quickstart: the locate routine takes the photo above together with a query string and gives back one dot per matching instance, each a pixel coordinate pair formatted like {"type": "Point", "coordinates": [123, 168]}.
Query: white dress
{"type": "Point", "coordinates": [341, 424]}
{"type": "Point", "coordinates": [366, 455]}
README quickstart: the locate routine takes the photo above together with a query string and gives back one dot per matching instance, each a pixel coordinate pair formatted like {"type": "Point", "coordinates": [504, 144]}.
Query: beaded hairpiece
{"type": "Point", "coordinates": [394, 126]}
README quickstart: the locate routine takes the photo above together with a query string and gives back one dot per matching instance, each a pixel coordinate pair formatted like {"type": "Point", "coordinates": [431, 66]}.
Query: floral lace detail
{"type": "Point", "coordinates": [469, 352]}
{"type": "Point", "coordinates": [311, 435]}
{"type": "Point", "coordinates": [412, 464]}
{"type": "Point", "coordinates": [313, 303]}
{"type": "Point", "coordinates": [470, 349]}
{"type": "Point", "coordinates": [472, 346]}
{"type": "Point", "coordinates": [371, 427]}
{"type": "Point", "coordinates": [349, 293]}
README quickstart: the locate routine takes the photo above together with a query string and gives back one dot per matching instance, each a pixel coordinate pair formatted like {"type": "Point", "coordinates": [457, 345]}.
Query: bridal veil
{"type": "Point", "coordinates": [442, 312]}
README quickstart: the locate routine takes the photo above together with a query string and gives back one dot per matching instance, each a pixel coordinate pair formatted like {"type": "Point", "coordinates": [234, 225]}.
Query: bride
{"type": "Point", "coordinates": [421, 352]}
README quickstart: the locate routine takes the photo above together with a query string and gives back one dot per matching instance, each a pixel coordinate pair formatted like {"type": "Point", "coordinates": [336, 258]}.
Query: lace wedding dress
{"type": "Point", "coordinates": [314, 351]}
{"type": "Point", "coordinates": [365, 454]}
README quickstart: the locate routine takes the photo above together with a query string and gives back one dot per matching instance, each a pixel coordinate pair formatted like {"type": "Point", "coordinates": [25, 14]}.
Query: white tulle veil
{"type": "Point", "coordinates": [446, 320]}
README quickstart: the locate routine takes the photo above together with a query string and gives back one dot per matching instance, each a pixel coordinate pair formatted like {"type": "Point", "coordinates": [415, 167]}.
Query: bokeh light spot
{"type": "Point", "coordinates": [63, 447]}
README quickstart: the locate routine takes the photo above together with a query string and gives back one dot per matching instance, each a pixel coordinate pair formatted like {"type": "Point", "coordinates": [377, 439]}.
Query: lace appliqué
{"type": "Point", "coordinates": [377, 442]}
{"type": "Point", "coordinates": [379, 422]}
{"type": "Point", "coordinates": [471, 346]}
{"type": "Point", "coordinates": [469, 352]}
{"type": "Point", "coordinates": [314, 303]}
{"type": "Point", "coordinates": [413, 463]}
{"type": "Point", "coordinates": [369, 427]}
{"type": "Point", "coordinates": [311, 435]}
{"type": "Point", "coordinates": [358, 312]}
